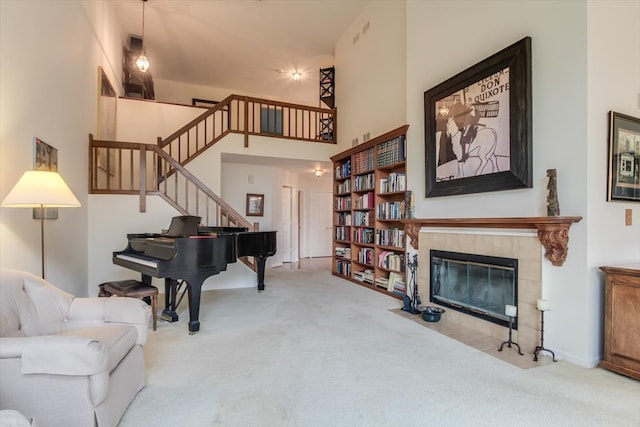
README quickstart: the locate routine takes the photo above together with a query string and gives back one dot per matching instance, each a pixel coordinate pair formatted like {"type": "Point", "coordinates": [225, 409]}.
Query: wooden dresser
{"type": "Point", "coordinates": [622, 319]}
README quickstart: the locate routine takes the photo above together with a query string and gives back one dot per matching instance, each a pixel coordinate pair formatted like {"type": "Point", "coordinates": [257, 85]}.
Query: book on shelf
{"type": "Point", "coordinates": [382, 282]}
{"type": "Point", "coordinates": [391, 281]}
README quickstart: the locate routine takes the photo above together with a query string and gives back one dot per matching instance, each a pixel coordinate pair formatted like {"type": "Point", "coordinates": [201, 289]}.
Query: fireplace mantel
{"type": "Point", "coordinates": [553, 231]}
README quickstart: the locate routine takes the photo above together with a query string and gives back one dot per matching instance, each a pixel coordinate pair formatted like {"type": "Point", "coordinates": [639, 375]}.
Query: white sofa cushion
{"type": "Point", "coordinates": [31, 305]}
{"type": "Point", "coordinates": [117, 340]}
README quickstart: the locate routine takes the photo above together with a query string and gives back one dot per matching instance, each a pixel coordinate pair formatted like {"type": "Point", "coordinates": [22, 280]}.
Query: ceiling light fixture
{"type": "Point", "coordinates": [142, 62]}
{"type": "Point", "coordinates": [296, 75]}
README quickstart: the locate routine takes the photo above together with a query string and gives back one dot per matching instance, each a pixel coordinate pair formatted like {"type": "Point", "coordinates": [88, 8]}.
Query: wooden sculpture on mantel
{"type": "Point", "coordinates": [553, 207]}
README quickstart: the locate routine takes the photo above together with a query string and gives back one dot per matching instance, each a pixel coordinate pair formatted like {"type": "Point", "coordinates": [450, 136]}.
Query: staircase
{"type": "Point", "coordinates": [158, 169]}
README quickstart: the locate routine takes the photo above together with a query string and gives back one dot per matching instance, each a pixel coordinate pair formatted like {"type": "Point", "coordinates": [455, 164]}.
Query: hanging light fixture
{"type": "Point", "coordinates": [142, 62]}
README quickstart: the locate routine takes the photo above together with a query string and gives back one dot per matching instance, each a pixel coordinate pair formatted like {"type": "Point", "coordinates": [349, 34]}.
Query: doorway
{"type": "Point", "coordinates": [287, 241]}
{"type": "Point", "coordinates": [320, 223]}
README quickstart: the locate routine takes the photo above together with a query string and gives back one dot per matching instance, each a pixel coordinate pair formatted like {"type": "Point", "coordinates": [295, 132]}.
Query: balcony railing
{"type": "Point", "coordinates": [143, 169]}
{"type": "Point", "coordinates": [250, 116]}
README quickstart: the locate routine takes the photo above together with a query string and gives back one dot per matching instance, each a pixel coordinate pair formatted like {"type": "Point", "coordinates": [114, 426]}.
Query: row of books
{"type": "Point", "coordinates": [342, 233]}
{"type": "Point", "coordinates": [395, 182]}
{"type": "Point", "coordinates": [363, 182]}
{"type": "Point", "coordinates": [391, 237]}
{"type": "Point", "coordinates": [363, 235]}
{"type": "Point", "coordinates": [392, 151]}
{"type": "Point", "coordinates": [343, 252]}
{"type": "Point", "coordinates": [365, 201]}
{"type": "Point", "coordinates": [342, 203]}
{"type": "Point", "coordinates": [391, 210]}
{"type": "Point", "coordinates": [364, 276]}
{"type": "Point", "coordinates": [363, 218]}
{"type": "Point", "coordinates": [343, 218]}
{"type": "Point", "coordinates": [343, 171]}
{"type": "Point", "coordinates": [365, 256]}
{"type": "Point", "coordinates": [391, 261]}
{"type": "Point", "coordinates": [344, 187]}
{"type": "Point", "coordinates": [363, 161]}
{"type": "Point", "coordinates": [396, 284]}
{"type": "Point", "coordinates": [343, 267]}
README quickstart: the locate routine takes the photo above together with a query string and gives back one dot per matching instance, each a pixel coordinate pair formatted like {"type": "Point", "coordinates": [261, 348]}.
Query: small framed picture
{"type": "Point", "coordinates": [45, 159]}
{"type": "Point", "coordinates": [623, 182]}
{"type": "Point", "coordinates": [255, 204]}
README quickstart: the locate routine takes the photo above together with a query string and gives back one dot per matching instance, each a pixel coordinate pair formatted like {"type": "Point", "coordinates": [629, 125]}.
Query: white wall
{"type": "Point", "coordinates": [613, 84]}
{"type": "Point", "coordinates": [444, 38]}
{"type": "Point", "coordinates": [183, 93]}
{"type": "Point", "coordinates": [558, 33]}
{"type": "Point", "coordinates": [371, 73]}
{"type": "Point", "coordinates": [48, 82]}
{"type": "Point", "coordinates": [560, 138]}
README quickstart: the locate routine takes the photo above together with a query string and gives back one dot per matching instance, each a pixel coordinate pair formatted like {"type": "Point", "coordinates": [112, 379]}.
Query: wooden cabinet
{"type": "Point", "coordinates": [622, 320]}
{"type": "Point", "coordinates": [369, 189]}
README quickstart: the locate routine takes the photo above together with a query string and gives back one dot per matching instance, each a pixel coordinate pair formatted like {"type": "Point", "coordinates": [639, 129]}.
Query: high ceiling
{"type": "Point", "coordinates": [252, 46]}
{"type": "Point", "coordinates": [246, 46]}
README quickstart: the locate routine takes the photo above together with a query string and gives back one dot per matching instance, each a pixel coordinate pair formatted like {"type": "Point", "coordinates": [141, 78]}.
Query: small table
{"type": "Point", "coordinates": [132, 289]}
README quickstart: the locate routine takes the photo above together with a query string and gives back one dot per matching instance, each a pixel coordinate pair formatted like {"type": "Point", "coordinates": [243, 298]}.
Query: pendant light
{"type": "Point", "coordinates": [142, 62]}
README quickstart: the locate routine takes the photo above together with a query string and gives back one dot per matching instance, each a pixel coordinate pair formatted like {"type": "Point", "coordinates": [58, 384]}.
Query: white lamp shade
{"type": "Point", "coordinates": [40, 188]}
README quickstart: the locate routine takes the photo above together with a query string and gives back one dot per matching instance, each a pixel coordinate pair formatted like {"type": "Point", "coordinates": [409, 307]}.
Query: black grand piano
{"type": "Point", "coordinates": [189, 253]}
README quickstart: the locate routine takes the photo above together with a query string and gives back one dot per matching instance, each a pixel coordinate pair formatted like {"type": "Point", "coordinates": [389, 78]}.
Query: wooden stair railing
{"type": "Point", "coordinates": [135, 168]}
{"type": "Point", "coordinates": [250, 116]}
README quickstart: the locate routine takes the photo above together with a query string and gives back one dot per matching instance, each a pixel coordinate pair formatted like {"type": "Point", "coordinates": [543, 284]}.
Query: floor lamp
{"type": "Point", "coordinates": [41, 189]}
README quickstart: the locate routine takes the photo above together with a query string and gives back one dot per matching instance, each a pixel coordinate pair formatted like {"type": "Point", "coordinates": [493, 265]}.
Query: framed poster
{"type": "Point", "coordinates": [255, 204]}
{"type": "Point", "coordinates": [623, 181]}
{"type": "Point", "coordinates": [478, 126]}
{"type": "Point", "coordinates": [45, 159]}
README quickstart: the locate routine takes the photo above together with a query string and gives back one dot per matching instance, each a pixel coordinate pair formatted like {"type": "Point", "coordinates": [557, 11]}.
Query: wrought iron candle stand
{"type": "Point", "coordinates": [411, 304]}
{"type": "Point", "coordinates": [542, 306]}
{"type": "Point", "coordinates": [511, 311]}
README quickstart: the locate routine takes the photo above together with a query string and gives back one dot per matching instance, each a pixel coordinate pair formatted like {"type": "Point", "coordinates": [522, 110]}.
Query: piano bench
{"type": "Point", "coordinates": [132, 289]}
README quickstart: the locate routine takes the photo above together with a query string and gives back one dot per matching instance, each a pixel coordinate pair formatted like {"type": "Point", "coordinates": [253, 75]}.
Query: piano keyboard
{"type": "Point", "coordinates": [137, 260]}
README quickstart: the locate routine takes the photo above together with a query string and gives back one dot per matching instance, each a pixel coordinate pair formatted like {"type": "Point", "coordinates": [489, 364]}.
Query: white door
{"type": "Point", "coordinates": [284, 244]}
{"type": "Point", "coordinates": [320, 223]}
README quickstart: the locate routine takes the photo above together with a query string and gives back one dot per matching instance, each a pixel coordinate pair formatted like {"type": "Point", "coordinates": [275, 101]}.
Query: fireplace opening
{"type": "Point", "coordinates": [477, 285]}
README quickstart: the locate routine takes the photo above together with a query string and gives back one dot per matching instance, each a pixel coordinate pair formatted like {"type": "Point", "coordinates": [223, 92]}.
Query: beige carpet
{"type": "Point", "coordinates": [315, 350]}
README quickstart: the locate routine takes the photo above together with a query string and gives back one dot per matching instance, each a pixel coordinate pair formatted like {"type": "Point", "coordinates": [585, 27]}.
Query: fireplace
{"type": "Point", "coordinates": [477, 285]}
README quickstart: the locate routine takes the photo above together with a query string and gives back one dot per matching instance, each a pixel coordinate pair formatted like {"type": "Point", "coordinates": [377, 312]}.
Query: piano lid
{"type": "Point", "coordinates": [184, 225]}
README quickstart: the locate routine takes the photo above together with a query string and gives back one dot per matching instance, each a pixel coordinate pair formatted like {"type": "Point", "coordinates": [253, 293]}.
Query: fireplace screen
{"type": "Point", "coordinates": [474, 284]}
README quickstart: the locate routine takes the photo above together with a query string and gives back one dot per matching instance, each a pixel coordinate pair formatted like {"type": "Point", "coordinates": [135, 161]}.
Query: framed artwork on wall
{"type": "Point", "coordinates": [255, 204]}
{"type": "Point", "coordinates": [45, 159]}
{"type": "Point", "coordinates": [478, 126]}
{"type": "Point", "coordinates": [623, 181]}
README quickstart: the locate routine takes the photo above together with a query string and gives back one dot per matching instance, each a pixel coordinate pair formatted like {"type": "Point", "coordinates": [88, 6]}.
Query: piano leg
{"type": "Point", "coordinates": [170, 293]}
{"type": "Point", "coordinates": [194, 292]}
{"type": "Point", "coordinates": [261, 261]}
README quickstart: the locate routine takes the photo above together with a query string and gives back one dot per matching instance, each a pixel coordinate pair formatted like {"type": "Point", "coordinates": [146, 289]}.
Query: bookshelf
{"type": "Point", "coordinates": [369, 192]}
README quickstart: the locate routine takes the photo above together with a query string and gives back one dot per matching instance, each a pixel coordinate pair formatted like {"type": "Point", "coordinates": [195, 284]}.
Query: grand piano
{"type": "Point", "coordinates": [189, 254]}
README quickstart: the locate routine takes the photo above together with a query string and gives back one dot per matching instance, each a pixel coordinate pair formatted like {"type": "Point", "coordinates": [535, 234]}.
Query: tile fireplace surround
{"type": "Point", "coordinates": [524, 246]}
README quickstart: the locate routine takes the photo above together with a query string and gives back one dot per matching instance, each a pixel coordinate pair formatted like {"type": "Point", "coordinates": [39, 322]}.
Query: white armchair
{"type": "Point", "coordinates": [67, 361]}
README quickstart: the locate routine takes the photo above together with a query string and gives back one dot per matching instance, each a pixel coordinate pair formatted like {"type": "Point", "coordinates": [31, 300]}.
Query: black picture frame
{"type": "Point", "coordinates": [255, 205]}
{"type": "Point", "coordinates": [489, 104]}
{"type": "Point", "coordinates": [623, 177]}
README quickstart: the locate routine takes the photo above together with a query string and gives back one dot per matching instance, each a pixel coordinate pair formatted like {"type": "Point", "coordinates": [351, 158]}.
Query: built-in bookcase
{"type": "Point", "coordinates": [369, 192]}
